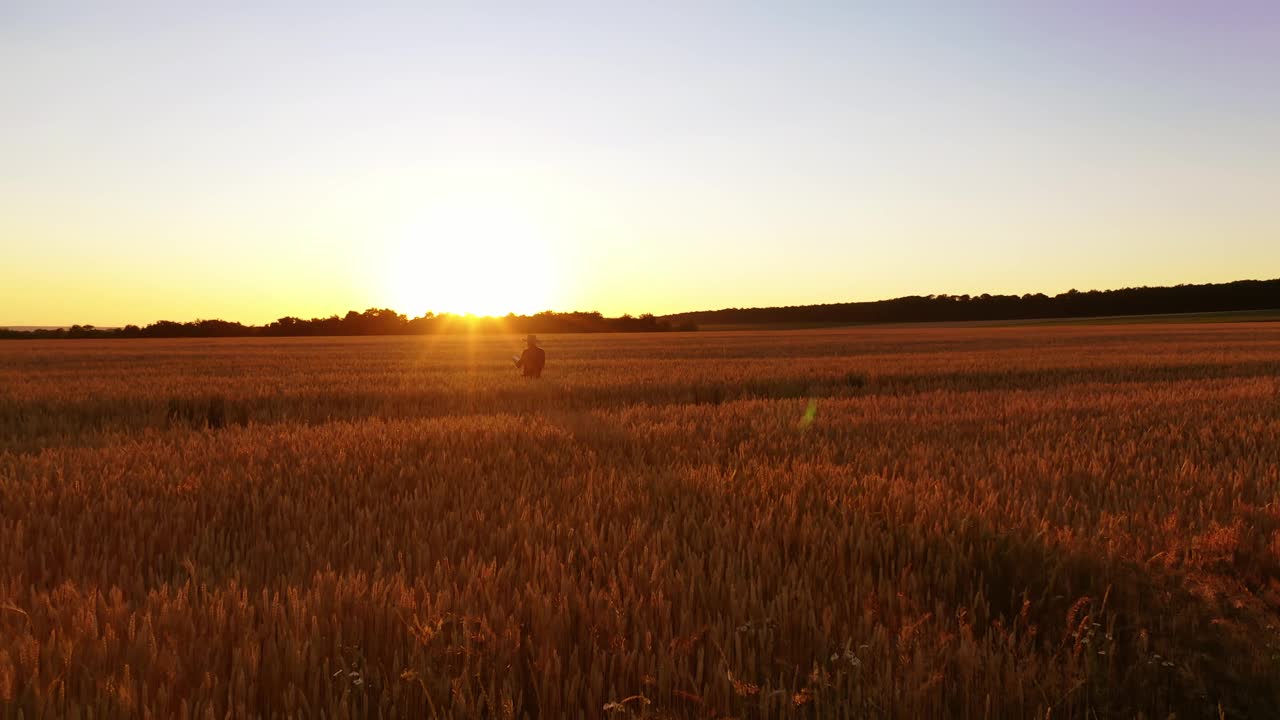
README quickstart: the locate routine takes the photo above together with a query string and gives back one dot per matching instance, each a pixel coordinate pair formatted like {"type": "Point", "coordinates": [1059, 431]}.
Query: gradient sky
{"type": "Point", "coordinates": [252, 160]}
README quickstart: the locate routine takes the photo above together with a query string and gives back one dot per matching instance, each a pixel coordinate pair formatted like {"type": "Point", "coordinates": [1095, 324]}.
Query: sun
{"type": "Point", "coordinates": [469, 257]}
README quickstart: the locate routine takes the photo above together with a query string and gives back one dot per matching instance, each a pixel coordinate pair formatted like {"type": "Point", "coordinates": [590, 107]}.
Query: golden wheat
{"type": "Point", "coordinates": [934, 522]}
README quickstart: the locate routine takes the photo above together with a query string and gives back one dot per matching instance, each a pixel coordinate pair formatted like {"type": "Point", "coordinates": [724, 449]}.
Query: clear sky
{"type": "Point", "coordinates": [252, 160]}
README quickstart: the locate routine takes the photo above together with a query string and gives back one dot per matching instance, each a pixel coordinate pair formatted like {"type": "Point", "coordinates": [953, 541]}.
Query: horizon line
{"type": "Point", "coordinates": [432, 313]}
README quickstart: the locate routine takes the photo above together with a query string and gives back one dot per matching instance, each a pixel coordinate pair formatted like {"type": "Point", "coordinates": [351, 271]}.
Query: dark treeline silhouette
{"type": "Point", "coordinates": [374, 321]}
{"type": "Point", "coordinates": [1223, 297]}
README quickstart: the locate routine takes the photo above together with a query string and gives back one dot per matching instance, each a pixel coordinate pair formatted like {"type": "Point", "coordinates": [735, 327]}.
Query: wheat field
{"type": "Point", "coordinates": [1020, 522]}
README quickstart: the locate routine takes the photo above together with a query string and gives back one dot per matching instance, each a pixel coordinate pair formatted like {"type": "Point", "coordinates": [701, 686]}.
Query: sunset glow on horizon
{"type": "Point", "coordinates": [470, 256]}
{"type": "Point", "coordinates": [254, 161]}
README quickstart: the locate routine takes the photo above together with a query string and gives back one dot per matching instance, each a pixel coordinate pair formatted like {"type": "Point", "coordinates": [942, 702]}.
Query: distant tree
{"type": "Point", "coordinates": [1239, 295]}
{"type": "Point", "coordinates": [1235, 296]}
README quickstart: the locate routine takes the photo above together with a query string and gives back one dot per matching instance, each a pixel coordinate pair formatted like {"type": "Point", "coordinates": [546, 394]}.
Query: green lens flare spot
{"type": "Point", "coordinates": [810, 413]}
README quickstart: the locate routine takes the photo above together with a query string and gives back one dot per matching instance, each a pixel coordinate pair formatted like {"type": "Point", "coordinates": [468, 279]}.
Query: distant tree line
{"type": "Point", "coordinates": [374, 321]}
{"type": "Point", "coordinates": [1222, 297]}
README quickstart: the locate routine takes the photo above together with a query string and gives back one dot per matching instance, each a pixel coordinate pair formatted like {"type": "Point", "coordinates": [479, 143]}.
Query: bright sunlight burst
{"type": "Point", "coordinates": [466, 257]}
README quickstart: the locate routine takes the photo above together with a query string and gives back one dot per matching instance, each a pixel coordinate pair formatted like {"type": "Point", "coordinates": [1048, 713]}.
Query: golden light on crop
{"type": "Point", "coordinates": [298, 527]}
{"type": "Point", "coordinates": [467, 256]}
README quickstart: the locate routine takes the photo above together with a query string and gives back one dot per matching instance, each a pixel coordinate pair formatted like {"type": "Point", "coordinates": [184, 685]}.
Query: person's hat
{"type": "Point", "coordinates": [533, 339]}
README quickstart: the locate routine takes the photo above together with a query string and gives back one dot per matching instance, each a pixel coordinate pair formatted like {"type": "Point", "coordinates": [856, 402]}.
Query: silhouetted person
{"type": "Point", "coordinates": [532, 359]}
